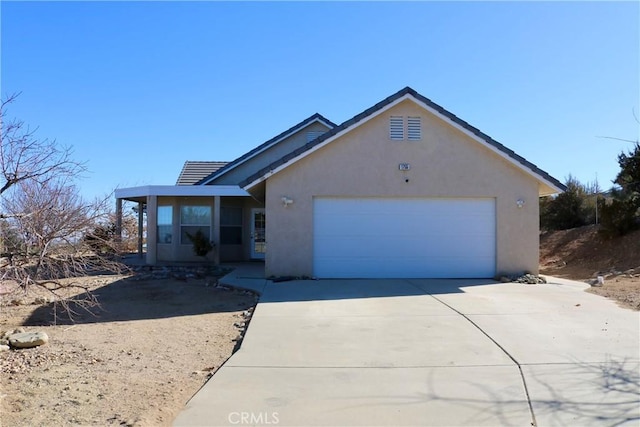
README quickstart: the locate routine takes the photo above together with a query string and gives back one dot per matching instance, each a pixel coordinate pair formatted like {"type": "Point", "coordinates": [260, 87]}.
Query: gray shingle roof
{"type": "Point", "coordinates": [406, 91]}
{"type": "Point", "coordinates": [222, 170]}
{"type": "Point", "coordinates": [194, 171]}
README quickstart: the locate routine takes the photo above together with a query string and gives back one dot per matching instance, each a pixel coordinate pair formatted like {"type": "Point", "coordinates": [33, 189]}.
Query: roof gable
{"type": "Point", "coordinates": [265, 146]}
{"type": "Point", "coordinates": [385, 104]}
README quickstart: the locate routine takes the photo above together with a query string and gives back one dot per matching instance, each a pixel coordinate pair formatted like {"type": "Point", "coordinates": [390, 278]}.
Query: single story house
{"type": "Point", "coordinates": [404, 189]}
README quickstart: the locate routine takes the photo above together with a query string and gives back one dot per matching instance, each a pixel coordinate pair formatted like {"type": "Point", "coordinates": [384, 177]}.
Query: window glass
{"type": "Point", "coordinates": [230, 225]}
{"type": "Point", "coordinates": [192, 230]}
{"type": "Point", "coordinates": [192, 220]}
{"type": "Point", "coordinates": [193, 215]}
{"type": "Point", "coordinates": [230, 216]}
{"type": "Point", "coordinates": [231, 235]}
{"type": "Point", "coordinates": [165, 224]}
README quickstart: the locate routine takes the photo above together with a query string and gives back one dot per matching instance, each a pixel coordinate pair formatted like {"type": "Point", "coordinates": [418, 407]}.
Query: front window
{"type": "Point", "coordinates": [192, 220]}
{"type": "Point", "coordinates": [165, 224]}
{"type": "Point", "coordinates": [230, 225]}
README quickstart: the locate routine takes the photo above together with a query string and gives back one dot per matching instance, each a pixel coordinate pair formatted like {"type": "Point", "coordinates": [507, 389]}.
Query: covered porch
{"type": "Point", "coordinates": [230, 218]}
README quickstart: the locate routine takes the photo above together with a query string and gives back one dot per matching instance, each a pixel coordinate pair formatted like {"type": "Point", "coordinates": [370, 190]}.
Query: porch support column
{"type": "Point", "coordinates": [152, 227]}
{"type": "Point", "coordinates": [216, 229]}
{"type": "Point", "coordinates": [118, 225]}
{"type": "Point", "coordinates": [140, 227]}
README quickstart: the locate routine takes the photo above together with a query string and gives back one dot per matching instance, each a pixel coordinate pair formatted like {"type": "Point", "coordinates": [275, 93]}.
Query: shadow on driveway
{"type": "Point", "coordinates": [326, 290]}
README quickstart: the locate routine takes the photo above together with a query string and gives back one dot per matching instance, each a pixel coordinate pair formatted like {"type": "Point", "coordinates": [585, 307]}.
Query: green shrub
{"type": "Point", "coordinates": [622, 214]}
{"type": "Point", "coordinates": [201, 244]}
{"type": "Point", "coordinates": [566, 210]}
{"type": "Point", "coordinates": [618, 216]}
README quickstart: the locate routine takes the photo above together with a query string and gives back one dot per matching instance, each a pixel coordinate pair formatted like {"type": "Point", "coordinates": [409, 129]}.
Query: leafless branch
{"type": "Point", "coordinates": [54, 245]}
{"type": "Point", "coordinates": [24, 157]}
{"type": "Point", "coordinates": [619, 139]}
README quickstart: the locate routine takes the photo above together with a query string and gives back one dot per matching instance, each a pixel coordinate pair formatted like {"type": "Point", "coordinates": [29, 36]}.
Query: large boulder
{"type": "Point", "coordinates": [28, 339]}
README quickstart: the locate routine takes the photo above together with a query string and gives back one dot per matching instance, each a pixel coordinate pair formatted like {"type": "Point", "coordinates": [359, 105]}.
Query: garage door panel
{"type": "Point", "coordinates": [396, 237]}
{"type": "Point", "coordinates": [333, 251]}
{"type": "Point", "coordinates": [406, 268]}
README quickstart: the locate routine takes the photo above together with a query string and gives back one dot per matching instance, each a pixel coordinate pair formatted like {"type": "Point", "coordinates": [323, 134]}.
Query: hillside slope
{"type": "Point", "coordinates": [582, 254]}
{"type": "Point", "coordinates": [579, 253]}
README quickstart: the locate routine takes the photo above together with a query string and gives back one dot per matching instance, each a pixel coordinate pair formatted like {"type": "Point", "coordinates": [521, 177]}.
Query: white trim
{"type": "Point", "coordinates": [502, 154]}
{"type": "Point", "coordinates": [254, 254]}
{"type": "Point", "coordinates": [486, 144]}
{"type": "Point", "coordinates": [180, 191]}
{"type": "Point", "coordinates": [263, 149]}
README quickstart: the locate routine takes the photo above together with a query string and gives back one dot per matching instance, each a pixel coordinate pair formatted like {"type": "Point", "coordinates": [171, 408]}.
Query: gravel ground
{"type": "Point", "coordinates": [136, 362]}
{"type": "Point", "coordinates": [624, 289]}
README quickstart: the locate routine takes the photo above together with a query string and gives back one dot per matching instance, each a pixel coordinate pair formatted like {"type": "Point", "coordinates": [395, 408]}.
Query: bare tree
{"type": "Point", "coordinates": [53, 223]}
{"type": "Point", "coordinates": [129, 228]}
{"type": "Point", "coordinates": [49, 232]}
{"type": "Point", "coordinates": [24, 157]}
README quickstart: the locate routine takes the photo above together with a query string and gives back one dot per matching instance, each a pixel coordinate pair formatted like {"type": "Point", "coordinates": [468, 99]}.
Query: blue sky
{"type": "Point", "coordinates": [137, 88]}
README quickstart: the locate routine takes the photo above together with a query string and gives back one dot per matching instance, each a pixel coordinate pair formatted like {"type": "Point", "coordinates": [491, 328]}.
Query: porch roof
{"type": "Point", "coordinates": [138, 194]}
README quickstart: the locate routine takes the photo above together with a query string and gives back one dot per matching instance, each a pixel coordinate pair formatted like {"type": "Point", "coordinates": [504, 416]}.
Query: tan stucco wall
{"type": "Point", "coordinates": [364, 162]}
{"type": "Point", "coordinates": [270, 155]}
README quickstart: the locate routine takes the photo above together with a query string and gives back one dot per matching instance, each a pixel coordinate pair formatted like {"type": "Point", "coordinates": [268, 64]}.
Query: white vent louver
{"type": "Point", "coordinates": [396, 128]}
{"type": "Point", "coordinates": [414, 128]}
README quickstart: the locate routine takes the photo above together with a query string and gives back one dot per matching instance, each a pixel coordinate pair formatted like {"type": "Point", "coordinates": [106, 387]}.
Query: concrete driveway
{"type": "Point", "coordinates": [428, 352]}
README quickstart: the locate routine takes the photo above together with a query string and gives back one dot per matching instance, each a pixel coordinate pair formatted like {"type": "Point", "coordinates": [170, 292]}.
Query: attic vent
{"type": "Point", "coordinates": [311, 135]}
{"type": "Point", "coordinates": [396, 128]}
{"type": "Point", "coordinates": [414, 129]}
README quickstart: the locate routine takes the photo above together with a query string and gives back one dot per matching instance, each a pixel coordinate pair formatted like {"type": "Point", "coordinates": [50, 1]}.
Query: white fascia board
{"type": "Point", "coordinates": [180, 191]}
{"type": "Point", "coordinates": [329, 125]}
{"type": "Point", "coordinates": [327, 141]}
{"type": "Point", "coordinates": [263, 149]}
{"type": "Point", "coordinates": [489, 146]}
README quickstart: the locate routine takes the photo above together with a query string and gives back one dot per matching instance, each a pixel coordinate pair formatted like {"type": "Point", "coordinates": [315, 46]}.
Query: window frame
{"type": "Point", "coordinates": [199, 226]}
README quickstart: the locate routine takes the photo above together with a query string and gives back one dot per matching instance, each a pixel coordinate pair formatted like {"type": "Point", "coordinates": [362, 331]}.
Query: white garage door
{"type": "Point", "coordinates": [404, 238]}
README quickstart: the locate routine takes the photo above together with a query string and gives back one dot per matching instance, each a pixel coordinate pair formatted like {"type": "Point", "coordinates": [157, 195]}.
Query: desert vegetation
{"type": "Point", "coordinates": [51, 238]}
{"type": "Point", "coordinates": [589, 233]}
{"type": "Point", "coordinates": [616, 210]}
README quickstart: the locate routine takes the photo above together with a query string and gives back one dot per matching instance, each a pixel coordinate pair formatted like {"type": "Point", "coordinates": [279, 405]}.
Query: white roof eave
{"type": "Point", "coordinates": [180, 191]}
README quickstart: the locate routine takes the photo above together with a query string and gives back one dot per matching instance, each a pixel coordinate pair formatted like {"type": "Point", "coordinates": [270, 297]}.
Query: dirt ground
{"type": "Point", "coordinates": [582, 254]}
{"type": "Point", "coordinates": [137, 362]}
